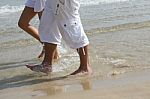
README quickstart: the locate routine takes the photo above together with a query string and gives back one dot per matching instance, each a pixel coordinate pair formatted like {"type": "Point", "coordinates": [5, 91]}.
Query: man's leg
{"type": "Point", "coordinates": [49, 53]}
{"type": "Point", "coordinates": [46, 66]}
{"type": "Point", "coordinates": [56, 55]}
{"type": "Point", "coordinates": [85, 67]}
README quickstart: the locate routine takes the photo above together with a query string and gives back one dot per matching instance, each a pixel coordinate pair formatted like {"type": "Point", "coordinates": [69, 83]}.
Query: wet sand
{"type": "Point", "coordinates": [111, 79]}
{"type": "Point", "coordinates": [134, 85]}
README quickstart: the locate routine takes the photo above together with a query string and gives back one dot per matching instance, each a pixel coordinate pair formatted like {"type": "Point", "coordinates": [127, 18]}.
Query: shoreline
{"type": "Point", "coordinates": [132, 85]}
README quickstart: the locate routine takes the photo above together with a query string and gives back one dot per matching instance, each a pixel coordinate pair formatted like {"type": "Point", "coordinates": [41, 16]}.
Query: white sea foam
{"type": "Point", "coordinates": [95, 2]}
{"type": "Point", "coordinates": [10, 9]}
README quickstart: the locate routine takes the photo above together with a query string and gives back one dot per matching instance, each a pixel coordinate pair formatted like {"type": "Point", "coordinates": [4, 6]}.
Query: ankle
{"type": "Point", "coordinates": [85, 65]}
{"type": "Point", "coordinates": [46, 64]}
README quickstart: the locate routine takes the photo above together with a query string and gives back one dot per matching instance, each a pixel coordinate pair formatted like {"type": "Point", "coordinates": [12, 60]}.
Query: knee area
{"type": "Point", "coordinates": [22, 24]}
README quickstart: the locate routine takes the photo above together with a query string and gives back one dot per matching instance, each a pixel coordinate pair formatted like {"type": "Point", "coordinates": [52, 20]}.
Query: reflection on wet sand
{"type": "Point", "coordinates": [51, 90]}
{"type": "Point", "coordinates": [57, 89]}
{"type": "Point", "coordinates": [87, 85]}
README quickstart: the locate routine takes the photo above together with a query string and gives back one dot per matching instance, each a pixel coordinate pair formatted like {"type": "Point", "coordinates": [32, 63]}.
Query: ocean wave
{"type": "Point", "coordinates": [95, 2]}
{"type": "Point", "coordinates": [10, 9]}
{"type": "Point", "coordinates": [119, 27]}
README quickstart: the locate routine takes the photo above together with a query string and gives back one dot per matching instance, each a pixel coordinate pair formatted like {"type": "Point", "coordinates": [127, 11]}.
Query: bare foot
{"type": "Point", "coordinates": [81, 71]}
{"type": "Point", "coordinates": [40, 68]}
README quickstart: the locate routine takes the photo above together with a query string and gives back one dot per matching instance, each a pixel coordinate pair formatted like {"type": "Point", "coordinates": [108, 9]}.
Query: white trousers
{"type": "Point", "coordinates": [54, 26]}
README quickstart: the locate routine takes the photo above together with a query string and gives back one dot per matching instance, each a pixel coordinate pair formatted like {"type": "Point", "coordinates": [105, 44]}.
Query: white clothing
{"type": "Point", "coordinates": [61, 18]}
{"type": "Point", "coordinates": [38, 5]}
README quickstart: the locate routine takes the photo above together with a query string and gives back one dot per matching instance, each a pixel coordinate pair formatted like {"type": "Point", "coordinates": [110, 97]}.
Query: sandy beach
{"type": "Point", "coordinates": [133, 85]}
{"type": "Point", "coordinates": [119, 35]}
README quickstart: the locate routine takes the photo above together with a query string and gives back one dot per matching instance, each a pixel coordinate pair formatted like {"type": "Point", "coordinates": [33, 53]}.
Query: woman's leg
{"type": "Point", "coordinates": [24, 22]}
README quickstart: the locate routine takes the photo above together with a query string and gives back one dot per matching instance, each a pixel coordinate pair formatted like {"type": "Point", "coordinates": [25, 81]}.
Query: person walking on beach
{"type": "Point", "coordinates": [61, 18]}
{"type": "Point", "coordinates": [33, 7]}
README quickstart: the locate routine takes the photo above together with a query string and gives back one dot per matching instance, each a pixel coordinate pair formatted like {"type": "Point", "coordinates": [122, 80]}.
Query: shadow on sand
{"type": "Point", "coordinates": [23, 80]}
